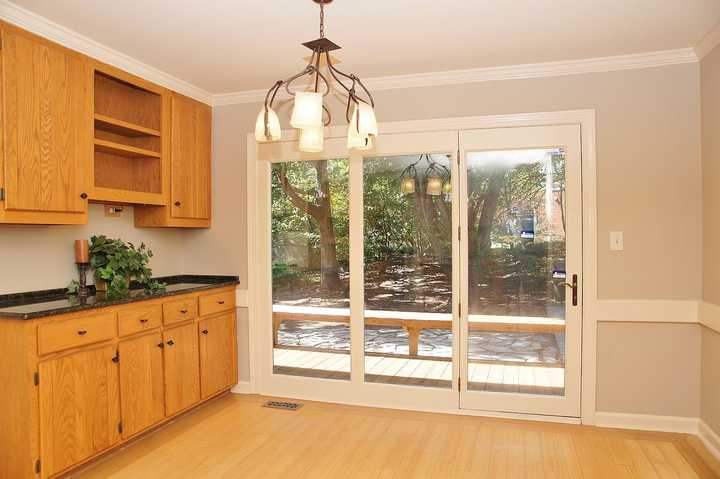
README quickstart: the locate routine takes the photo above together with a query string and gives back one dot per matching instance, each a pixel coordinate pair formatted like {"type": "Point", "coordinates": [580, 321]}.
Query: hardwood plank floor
{"type": "Point", "coordinates": [234, 437]}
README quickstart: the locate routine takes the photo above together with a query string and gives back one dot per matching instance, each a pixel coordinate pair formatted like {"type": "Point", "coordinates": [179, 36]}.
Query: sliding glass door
{"type": "Point", "coordinates": [438, 270]}
{"type": "Point", "coordinates": [521, 263]}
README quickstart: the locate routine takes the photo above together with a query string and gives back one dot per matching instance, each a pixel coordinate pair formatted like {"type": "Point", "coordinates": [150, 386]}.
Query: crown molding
{"type": "Point", "coordinates": [511, 72]}
{"type": "Point", "coordinates": [708, 42]}
{"type": "Point", "coordinates": [43, 27]}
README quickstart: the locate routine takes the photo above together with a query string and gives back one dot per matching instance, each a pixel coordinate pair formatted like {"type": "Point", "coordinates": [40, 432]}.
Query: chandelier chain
{"type": "Point", "coordinates": [322, 21]}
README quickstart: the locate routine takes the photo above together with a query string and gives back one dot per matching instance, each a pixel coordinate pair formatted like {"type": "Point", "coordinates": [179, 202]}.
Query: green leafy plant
{"type": "Point", "coordinates": [118, 262]}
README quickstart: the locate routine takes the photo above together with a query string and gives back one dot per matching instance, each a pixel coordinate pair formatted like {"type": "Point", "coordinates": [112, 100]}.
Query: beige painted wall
{"type": "Point", "coordinates": [42, 257]}
{"type": "Point", "coordinates": [710, 94]}
{"type": "Point", "coordinates": [710, 379]}
{"type": "Point", "coordinates": [649, 368]}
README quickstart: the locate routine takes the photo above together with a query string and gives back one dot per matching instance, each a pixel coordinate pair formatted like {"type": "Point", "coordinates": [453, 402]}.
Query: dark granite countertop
{"type": "Point", "coordinates": [38, 304]}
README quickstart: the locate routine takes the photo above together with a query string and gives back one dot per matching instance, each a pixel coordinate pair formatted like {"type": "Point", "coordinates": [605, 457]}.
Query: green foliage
{"type": "Point", "coordinates": [73, 287]}
{"type": "Point", "coordinates": [283, 270]}
{"type": "Point", "coordinates": [117, 262]}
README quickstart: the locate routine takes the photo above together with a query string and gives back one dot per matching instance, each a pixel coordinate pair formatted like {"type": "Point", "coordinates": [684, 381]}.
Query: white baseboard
{"type": "Point", "coordinates": [242, 387]}
{"type": "Point", "coordinates": [709, 438]}
{"type": "Point", "coordinates": [647, 422]}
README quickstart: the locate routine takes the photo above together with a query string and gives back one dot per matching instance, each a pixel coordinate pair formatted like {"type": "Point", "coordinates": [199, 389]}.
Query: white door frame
{"type": "Point", "coordinates": [384, 397]}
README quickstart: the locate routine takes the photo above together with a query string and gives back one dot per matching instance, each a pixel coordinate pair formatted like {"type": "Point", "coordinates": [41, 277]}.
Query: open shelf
{"type": "Point", "coordinates": [121, 127]}
{"type": "Point", "coordinates": [122, 196]}
{"type": "Point", "coordinates": [127, 151]}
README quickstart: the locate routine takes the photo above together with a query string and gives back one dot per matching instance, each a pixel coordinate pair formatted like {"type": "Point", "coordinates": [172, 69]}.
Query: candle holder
{"type": "Point", "coordinates": [83, 288]}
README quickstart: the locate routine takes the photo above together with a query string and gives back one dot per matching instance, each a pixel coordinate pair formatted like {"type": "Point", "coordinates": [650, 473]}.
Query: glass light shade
{"type": "Point", "coordinates": [356, 140]}
{"type": "Point", "coordinates": [311, 140]}
{"type": "Point", "coordinates": [307, 111]}
{"type": "Point", "coordinates": [447, 187]}
{"type": "Point", "coordinates": [407, 185]}
{"type": "Point", "coordinates": [368, 122]}
{"type": "Point", "coordinates": [434, 186]}
{"type": "Point", "coordinates": [273, 126]}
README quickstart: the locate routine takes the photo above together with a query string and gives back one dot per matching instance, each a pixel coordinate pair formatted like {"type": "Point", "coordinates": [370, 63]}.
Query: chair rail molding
{"type": "Point", "coordinates": [709, 315]}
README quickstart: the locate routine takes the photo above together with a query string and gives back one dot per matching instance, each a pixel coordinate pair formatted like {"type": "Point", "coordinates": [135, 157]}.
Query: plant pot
{"type": "Point", "coordinates": [102, 286]}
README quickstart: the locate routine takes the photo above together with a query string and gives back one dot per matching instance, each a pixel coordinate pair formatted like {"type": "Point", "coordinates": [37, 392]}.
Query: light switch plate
{"type": "Point", "coordinates": [616, 241]}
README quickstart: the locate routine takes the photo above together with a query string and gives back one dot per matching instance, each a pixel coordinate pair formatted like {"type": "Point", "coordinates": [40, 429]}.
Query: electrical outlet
{"type": "Point", "coordinates": [616, 241]}
{"type": "Point", "coordinates": [113, 211]}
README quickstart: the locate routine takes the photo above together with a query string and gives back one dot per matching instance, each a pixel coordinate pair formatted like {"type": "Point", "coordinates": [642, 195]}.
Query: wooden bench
{"type": "Point", "coordinates": [414, 323]}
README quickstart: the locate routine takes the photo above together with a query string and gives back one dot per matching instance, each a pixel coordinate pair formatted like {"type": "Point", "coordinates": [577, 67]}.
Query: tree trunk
{"type": "Point", "coordinates": [321, 212]}
{"type": "Point", "coordinates": [329, 267]}
{"type": "Point", "coordinates": [481, 239]}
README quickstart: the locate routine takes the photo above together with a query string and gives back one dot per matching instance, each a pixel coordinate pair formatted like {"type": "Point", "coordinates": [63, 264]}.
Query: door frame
{"type": "Point", "coordinates": [584, 118]}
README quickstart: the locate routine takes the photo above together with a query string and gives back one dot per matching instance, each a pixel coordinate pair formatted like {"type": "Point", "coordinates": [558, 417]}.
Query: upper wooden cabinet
{"type": "Point", "coordinates": [189, 173]}
{"type": "Point", "coordinates": [77, 130]}
{"type": "Point", "coordinates": [47, 118]}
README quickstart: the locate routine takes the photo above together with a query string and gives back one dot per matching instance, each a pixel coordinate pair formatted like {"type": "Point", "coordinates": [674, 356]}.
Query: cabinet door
{"type": "Point", "coordinates": [79, 407]}
{"type": "Point", "coordinates": [182, 369]}
{"type": "Point", "coordinates": [191, 157]}
{"type": "Point", "coordinates": [47, 126]}
{"type": "Point", "coordinates": [142, 401]}
{"type": "Point", "coordinates": [217, 353]}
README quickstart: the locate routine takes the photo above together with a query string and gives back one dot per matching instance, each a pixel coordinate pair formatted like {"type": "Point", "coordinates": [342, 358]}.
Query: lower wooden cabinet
{"type": "Point", "coordinates": [182, 371]}
{"type": "Point", "coordinates": [79, 409]}
{"type": "Point", "coordinates": [142, 398]}
{"type": "Point", "coordinates": [217, 353]}
{"type": "Point", "coordinates": [73, 394]}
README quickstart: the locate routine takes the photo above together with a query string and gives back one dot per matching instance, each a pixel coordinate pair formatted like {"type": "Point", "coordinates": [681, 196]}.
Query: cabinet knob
{"type": "Point", "coordinates": [83, 196]}
{"type": "Point", "coordinates": [161, 345]}
{"type": "Point", "coordinates": [144, 320]}
{"type": "Point", "coordinates": [82, 332]}
{"type": "Point", "coordinates": [221, 302]}
{"type": "Point", "coordinates": [183, 311]}
{"type": "Point", "coordinates": [170, 343]}
{"type": "Point", "coordinates": [204, 331]}
{"type": "Point", "coordinates": [177, 203]}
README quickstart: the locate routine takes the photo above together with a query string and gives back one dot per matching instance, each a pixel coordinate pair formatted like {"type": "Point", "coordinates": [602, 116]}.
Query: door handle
{"type": "Point", "coordinates": [170, 343]}
{"type": "Point", "coordinates": [574, 287]}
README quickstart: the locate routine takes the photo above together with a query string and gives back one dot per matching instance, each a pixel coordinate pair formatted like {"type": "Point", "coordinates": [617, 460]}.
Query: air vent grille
{"type": "Point", "coordinates": [288, 406]}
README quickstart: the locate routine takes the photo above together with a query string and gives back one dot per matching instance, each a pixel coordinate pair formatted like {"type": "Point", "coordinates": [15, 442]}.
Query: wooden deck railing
{"type": "Point", "coordinates": [414, 323]}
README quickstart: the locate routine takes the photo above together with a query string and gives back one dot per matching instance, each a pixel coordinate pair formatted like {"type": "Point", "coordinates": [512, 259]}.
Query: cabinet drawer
{"type": "Point", "coordinates": [133, 321]}
{"type": "Point", "coordinates": [214, 303]}
{"type": "Point", "coordinates": [75, 332]}
{"type": "Point", "coordinates": [180, 310]}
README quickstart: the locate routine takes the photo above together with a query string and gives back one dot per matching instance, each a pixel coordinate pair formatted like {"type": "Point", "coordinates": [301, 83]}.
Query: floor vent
{"type": "Point", "coordinates": [288, 406]}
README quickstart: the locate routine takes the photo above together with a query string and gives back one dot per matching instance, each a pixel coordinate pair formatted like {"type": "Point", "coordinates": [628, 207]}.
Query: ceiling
{"type": "Point", "coordinates": [227, 46]}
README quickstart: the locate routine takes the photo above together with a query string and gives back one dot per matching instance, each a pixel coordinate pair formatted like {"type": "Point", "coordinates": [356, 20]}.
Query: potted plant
{"type": "Point", "coordinates": [116, 263]}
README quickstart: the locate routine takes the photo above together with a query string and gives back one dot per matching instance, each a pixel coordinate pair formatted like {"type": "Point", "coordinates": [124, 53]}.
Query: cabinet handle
{"type": "Point", "coordinates": [82, 332]}
{"type": "Point", "coordinates": [83, 196]}
{"type": "Point", "coordinates": [204, 331]}
{"type": "Point", "coordinates": [183, 311]}
{"type": "Point", "coordinates": [177, 203]}
{"type": "Point", "coordinates": [221, 302]}
{"type": "Point", "coordinates": [170, 343]}
{"type": "Point", "coordinates": [144, 320]}
{"type": "Point", "coordinates": [161, 345]}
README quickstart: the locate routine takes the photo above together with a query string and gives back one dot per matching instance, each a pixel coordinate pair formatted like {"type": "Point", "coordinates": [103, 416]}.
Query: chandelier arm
{"type": "Point", "coordinates": [367, 92]}
{"type": "Point", "coordinates": [329, 119]}
{"type": "Point", "coordinates": [272, 91]}
{"type": "Point", "coordinates": [334, 72]}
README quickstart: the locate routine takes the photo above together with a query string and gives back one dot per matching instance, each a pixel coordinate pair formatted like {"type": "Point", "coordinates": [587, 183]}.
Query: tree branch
{"type": "Point", "coordinates": [297, 201]}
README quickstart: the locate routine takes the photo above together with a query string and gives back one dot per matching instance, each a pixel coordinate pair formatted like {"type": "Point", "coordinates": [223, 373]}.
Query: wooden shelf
{"type": "Point", "coordinates": [124, 150]}
{"type": "Point", "coordinates": [120, 127]}
{"type": "Point", "coordinates": [113, 195]}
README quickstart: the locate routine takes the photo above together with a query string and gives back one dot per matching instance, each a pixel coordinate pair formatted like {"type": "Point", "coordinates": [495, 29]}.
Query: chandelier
{"type": "Point", "coordinates": [309, 114]}
{"type": "Point", "coordinates": [437, 177]}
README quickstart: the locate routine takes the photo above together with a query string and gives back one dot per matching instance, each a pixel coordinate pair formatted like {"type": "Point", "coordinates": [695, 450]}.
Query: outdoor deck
{"type": "Point", "coordinates": [422, 372]}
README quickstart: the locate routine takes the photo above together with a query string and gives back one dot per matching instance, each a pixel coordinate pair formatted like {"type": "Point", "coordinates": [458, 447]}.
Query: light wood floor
{"type": "Point", "coordinates": [233, 437]}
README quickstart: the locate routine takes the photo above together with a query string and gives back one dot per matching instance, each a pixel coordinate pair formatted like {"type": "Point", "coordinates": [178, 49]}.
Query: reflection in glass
{"type": "Point", "coordinates": [310, 273]}
{"type": "Point", "coordinates": [408, 270]}
{"type": "Point", "coordinates": [516, 253]}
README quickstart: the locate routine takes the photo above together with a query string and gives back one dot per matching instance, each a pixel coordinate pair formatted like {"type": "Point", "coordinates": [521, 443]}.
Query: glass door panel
{"type": "Point", "coordinates": [522, 249]}
{"type": "Point", "coordinates": [408, 320]}
{"type": "Point", "coordinates": [310, 268]}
